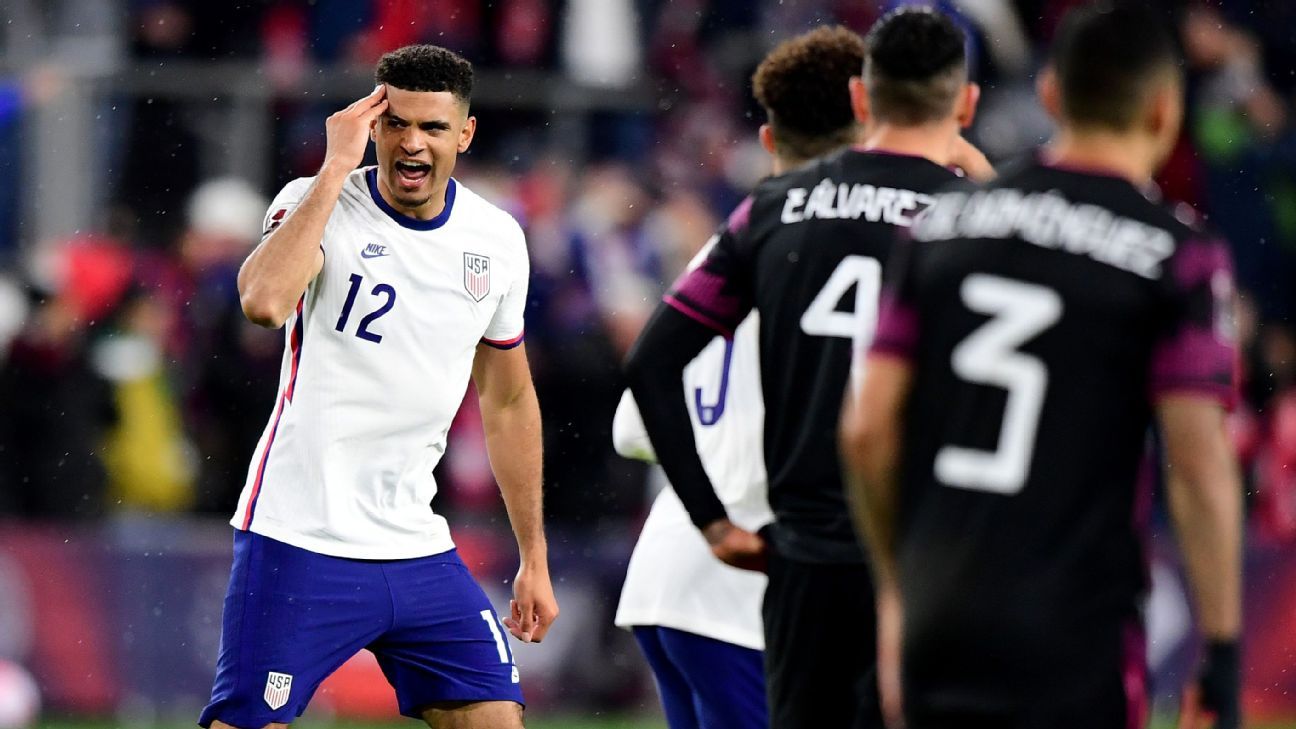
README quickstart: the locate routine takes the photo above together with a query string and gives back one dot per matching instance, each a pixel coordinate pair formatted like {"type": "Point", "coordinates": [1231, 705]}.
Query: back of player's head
{"type": "Point", "coordinates": [915, 66]}
{"type": "Point", "coordinates": [1107, 58]}
{"type": "Point", "coordinates": [426, 68]}
{"type": "Point", "coordinates": [804, 87]}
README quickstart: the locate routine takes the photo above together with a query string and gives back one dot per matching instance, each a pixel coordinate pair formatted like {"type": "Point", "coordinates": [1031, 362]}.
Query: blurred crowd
{"type": "Point", "coordinates": [130, 381]}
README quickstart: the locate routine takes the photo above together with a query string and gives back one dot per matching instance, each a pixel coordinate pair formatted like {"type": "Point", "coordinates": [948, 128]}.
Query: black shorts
{"type": "Point", "coordinates": [1096, 682]}
{"type": "Point", "coordinates": [820, 646]}
{"type": "Point", "coordinates": [1106, 708]}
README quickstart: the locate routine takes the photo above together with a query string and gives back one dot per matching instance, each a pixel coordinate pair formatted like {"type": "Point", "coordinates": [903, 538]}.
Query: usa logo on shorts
{"type": "Point", "coordinates": [477, 275]}
{"type": "Point", "coordinates": [277, 687]}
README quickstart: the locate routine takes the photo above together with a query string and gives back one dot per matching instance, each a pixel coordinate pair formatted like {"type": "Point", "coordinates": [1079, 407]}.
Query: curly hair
{"type": "Point", "coordinates": [803, 85]}
{"type": "Point", "coordinates": [426, 68]}
{"type": "Point", "coordinates": [915, 66]}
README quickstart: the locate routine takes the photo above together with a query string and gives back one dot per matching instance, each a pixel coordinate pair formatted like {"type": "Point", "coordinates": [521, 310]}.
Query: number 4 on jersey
{"type": "Point", "coordinates": [822, 319]}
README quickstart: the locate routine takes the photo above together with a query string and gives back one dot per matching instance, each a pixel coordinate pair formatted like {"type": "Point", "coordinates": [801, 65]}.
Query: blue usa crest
{"type": "Point", "coordinates": [476, 275]}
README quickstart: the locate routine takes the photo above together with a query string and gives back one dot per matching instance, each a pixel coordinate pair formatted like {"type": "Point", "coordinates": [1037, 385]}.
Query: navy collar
{"type": "Point", "coordinates": [371, 177]}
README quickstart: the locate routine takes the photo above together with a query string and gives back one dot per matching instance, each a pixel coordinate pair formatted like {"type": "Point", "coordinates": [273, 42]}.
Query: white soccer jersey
{"type": "Point", "coordinates": [673, 580]}
{"type": "Point", "coordinates": [378, 357]}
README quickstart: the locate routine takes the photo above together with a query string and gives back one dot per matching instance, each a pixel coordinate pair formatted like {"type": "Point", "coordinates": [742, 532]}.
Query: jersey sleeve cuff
{"type": "Point", "coordinates": [698, 316]}
{"type": "Point", "coordinates": [1225, 395]}
{"type": "Point", "coordinates": [504, 343]}
{"type": "Point", "coordinates": [896, 333]}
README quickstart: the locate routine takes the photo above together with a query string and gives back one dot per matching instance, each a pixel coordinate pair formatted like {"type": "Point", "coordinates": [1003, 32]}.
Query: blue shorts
{"type": "Point", "coordinates": [292, 617]}
{"type": "Point", "coordinates": [705, 683]}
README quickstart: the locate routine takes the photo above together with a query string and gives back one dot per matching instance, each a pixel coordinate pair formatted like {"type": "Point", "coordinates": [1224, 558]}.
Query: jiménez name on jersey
{"type": "Point", "coordinates": [842, 201]}
{"type": "Point", "coordinates": [1049, 220]}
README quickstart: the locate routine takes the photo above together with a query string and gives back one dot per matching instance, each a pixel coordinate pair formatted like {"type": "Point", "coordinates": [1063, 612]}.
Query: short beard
{"type": "Point", "coordinates": [412, 204]}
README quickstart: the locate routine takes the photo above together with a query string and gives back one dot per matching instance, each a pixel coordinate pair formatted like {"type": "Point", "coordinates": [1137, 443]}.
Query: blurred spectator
{"type": "Point", "coordinates": [601, 42]}
{"type": "Point", "coordinates": [226, 369]}
{"type": "Point", "coordinates": [149, 461]}
{"type": "Point", "coordinates": [56, 406]}
{"type": "Point", "coordinates": [1236, 117]}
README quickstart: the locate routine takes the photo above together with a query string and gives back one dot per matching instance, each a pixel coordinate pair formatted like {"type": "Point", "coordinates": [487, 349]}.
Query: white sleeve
{"type": "Point", "coordinates": [283, 204]}
{"type": "Point", "coordinates": [507, 325]}
{"type": "Point", "coordinates": [629, 437]}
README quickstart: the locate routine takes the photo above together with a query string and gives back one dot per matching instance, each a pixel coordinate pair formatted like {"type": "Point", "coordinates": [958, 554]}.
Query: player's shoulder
{"type": "Point", "coordinates": [473, 208]}
{"type": "Point", "coordinates": [294, 190]}
{"type": "Point", "coordinates": [286, 199]}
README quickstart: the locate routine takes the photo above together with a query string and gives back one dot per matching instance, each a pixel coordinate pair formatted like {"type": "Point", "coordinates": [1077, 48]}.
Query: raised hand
{"type": "Point", "coordinates": [965, 156]}
{"type": "Point", "coordinates": [347, 131]}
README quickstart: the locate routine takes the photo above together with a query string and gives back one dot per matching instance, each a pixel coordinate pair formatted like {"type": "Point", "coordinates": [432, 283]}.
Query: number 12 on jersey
{"type": "Point", "coordinates": [362, 331]}
{"type": "Point", "coordinates": [991, 355]}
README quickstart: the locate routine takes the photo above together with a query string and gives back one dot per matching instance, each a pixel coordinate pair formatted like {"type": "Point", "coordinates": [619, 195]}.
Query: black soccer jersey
{"type": "Point", "coordinates": [1043, 316]}
{"type": "Point", "coordinates": [807, 250]}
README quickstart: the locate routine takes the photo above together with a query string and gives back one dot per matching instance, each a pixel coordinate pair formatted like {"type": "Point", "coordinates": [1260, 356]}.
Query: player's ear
{"type": "Point", "coordinates": [1165, 107]}
{"type": "Point", "coordinates": [859, 100]}
{"type": "Point", "coordinates": [1162, 118]}
{"type": "Point", "coordinates": [965, 110]}
{"type": "Point", "coordinates": [466, 134]}
{"type": "Point", "coordinates": [1050, 96]}
{"type": "Point", "coordinates": [766, 136]}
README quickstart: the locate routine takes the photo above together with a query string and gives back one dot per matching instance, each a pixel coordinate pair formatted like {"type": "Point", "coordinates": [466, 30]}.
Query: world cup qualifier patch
{"type": "Point", "coordinates": [278, 685]}
{"type": "Point", "coordinates": [476, 275]}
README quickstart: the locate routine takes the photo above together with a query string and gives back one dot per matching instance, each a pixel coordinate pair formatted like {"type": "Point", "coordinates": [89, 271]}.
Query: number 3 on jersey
{"type": "Point", "coordinates": [990, 356]}
{"type": "Point", "coordinates": [362, 331]}
{"type": "Point", "coordinates": [821, 317]}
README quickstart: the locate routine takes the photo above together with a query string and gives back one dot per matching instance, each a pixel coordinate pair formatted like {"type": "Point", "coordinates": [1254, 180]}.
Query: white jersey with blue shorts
{"type": "Point", "coordinates": [337, 547]}
{"type": "Point", "coordinates": [696, 619]}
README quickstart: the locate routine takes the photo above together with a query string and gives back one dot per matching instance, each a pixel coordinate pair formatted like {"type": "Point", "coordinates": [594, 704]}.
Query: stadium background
{"type": "Point", "coordinates": [141, 139]}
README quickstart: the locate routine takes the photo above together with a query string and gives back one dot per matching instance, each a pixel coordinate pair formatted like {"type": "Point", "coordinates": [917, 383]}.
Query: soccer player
{"type": "Point", "coordinates": [396, 284]}
{"type": "Point", "coordinates": [806, 250]}
{"type": "Point", "coordinates": [1029, 335]}
{"type": "Point", "coordinates": [696, 619]}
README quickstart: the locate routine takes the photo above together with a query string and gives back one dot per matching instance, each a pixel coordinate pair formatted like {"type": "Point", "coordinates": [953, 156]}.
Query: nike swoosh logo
{"type": "Point", "coordinates": [367, 254]}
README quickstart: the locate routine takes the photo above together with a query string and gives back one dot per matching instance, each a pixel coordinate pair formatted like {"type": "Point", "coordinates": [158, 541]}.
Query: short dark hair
{"type": "Point", "coordinates": [426, 68]}
{"type": "Point", "coordinates": [1105, 56]}
{"type": "Point", "coordinates": [915, 66]}
{"type": "Point", "coordinates": [804, 87]}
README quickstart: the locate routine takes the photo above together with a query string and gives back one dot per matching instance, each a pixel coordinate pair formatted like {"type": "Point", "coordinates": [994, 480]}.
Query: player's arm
{"type": "Point", "coordinates": [511, 420]}
{"type": "Point", "coordinates": [870, 439]}
{"type": "Point", "coordinates": [274, 276]}
{"type": "Point", "coordinates": [965, 156]}
{"type": "Point", "coordinates": [1192, 377]}
{"type": "Point", "coordinates": [1204, 491]}
{"type": "Point", "coordinates": [655, 370]}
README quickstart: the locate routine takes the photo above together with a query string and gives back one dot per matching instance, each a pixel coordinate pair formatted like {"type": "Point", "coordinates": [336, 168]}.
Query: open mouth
{"type": "Point", "coordinates": [412, 174]}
